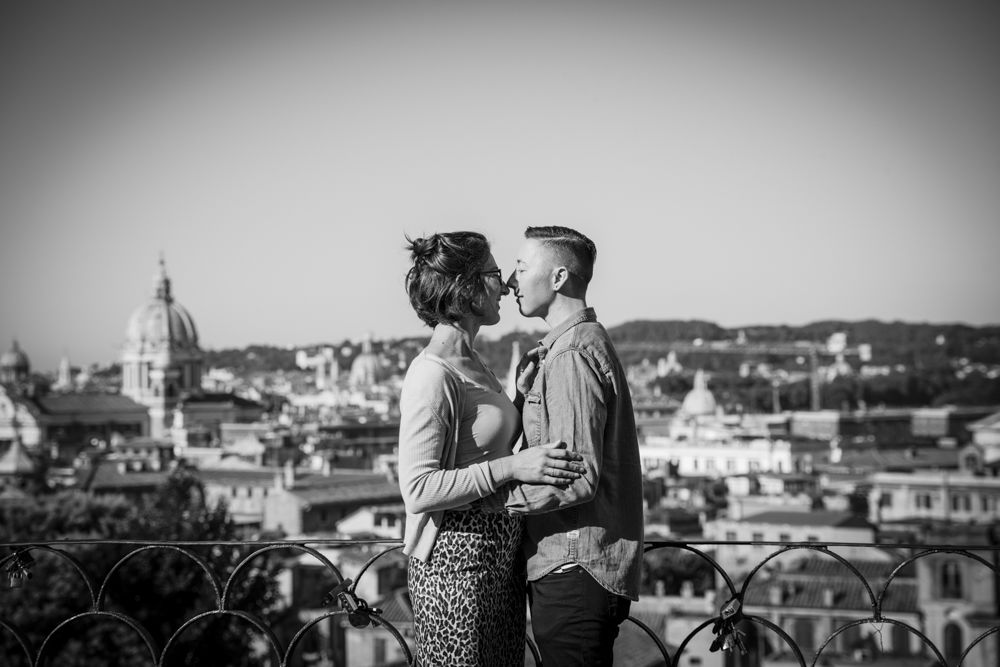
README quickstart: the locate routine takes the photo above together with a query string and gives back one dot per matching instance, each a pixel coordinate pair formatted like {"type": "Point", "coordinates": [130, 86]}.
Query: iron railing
{"type": "Point", "coordinates": [730, 621]}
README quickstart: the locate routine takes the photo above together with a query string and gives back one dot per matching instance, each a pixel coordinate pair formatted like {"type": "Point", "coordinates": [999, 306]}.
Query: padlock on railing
{"type": "Point", "coordinates": [727, 635]}
{"type": "Point", "coordinates": [359, 614]}
{"type": "Point", "coordinates": [18, 568]}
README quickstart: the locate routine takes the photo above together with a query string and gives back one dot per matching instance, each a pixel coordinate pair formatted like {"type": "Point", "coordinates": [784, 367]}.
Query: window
{"type": "Point", "coordinates": [951, 580]}
{"type": "Point", "coordinates": [922, 501]}
{"type": "Point", "coordinates": [812, 538]}
{"type": "Point", "coordinates": [730, 536]}
{"type": "Point", "coordinates": [960, 502]}
{"type": "Point", "coordinates": [710, 464]}
{"type": "Point", "coordinates": [757, 537]}
{"type": "Point", "coordinates": [784, 537]}
{"type": "Point", "coordinates": [730, 465]}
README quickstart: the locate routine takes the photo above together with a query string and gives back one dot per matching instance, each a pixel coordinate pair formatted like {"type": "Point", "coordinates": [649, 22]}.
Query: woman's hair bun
{"type": "Point", "coordinates": [423, 249]}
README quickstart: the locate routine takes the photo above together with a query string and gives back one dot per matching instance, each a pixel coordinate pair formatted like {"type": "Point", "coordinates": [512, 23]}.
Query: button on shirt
{"type": "Point", "coordinates": [580, 395]}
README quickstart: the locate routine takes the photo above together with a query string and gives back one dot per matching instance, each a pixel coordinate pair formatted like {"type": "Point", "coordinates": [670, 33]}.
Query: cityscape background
{"type": "Point", "coordinates": [204, 333]}
{"type": "Point", "coordinates": [764, 163]}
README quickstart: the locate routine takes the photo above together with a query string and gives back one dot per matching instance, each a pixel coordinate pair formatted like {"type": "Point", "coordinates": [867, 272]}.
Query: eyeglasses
{"type": "Point", "coordinates": [497, 273]}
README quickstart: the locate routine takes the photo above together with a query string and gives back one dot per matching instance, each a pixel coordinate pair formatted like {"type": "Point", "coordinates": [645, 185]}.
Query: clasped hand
{"type": "Point", "coordinates": [551, 463]}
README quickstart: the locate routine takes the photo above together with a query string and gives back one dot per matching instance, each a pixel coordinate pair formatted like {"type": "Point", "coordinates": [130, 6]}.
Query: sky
{"type": "Point", "coordinates": [742, 162]}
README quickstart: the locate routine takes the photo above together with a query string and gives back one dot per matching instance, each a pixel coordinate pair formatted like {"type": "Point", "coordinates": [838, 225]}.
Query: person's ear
{"type": "Point", "coordinates": [560, 275]}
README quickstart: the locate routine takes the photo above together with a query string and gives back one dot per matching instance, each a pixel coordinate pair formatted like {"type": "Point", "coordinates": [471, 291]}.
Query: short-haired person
{"type": "Point", "coordinates": [456, 433]}
{"type": "Point", "coordinates": [583, 541]}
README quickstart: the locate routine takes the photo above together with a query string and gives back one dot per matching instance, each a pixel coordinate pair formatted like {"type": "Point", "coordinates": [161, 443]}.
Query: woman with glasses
{"type": "Point", "coordinates": [457, 431]}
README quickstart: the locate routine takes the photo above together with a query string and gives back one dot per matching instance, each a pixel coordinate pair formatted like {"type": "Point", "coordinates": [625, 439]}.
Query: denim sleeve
{"type": "Point", "coordinates": [577, 412]}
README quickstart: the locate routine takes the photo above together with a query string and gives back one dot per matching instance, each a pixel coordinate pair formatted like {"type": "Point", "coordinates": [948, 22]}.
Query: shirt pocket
{"type": "Point", "coordinates": [532, 418]}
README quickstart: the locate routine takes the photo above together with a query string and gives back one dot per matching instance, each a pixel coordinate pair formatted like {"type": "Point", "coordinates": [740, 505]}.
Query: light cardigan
{"type": "Point", "coordinates": [431, 403]}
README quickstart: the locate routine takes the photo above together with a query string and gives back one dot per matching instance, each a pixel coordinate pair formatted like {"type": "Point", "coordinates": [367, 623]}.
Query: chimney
{"type": "Point", "coordinates": [288, 476]}
{"type": "Point", "coordinates": [327, 468]}
{"type": "Point", "coordinates": [828, 597]}
{"type": "Point", "coordinates": [687, 589]}
{"type": "Point", "coordinates": [774, 596]}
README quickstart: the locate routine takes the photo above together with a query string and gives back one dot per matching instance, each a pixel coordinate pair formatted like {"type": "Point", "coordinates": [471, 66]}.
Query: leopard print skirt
{"type": "Point", "coordinates": [469, 598]}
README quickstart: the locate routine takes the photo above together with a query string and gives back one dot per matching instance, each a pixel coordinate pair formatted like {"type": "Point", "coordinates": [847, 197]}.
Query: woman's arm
{"type": "Point", "coordinates": [427, 426]}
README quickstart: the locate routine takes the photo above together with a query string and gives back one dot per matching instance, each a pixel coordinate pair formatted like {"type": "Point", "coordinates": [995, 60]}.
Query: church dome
{"type": "Point", "coordinates": [15, 359]}
{"type": "Point", "coordinates": [699, 401]}
{"type": "Point", "coordinates": [366, 369]}
{"type": "Point", "coordinates": [161, 323]}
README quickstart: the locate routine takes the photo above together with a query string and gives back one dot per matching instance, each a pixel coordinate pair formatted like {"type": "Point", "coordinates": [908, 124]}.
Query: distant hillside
{"type": "Point", "coordinates": [252, 359]}
{"type": "Point", "coordinates": [655, 331]}
{"type": "Point", "coordinates": [913, 345]}
{"type": "Point", "coordinates": [892, 342]}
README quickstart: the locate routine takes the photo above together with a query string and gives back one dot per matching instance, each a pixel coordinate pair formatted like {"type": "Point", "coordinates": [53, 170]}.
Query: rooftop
{"type": "Point", "coordinates": [847, 594]}
{"type": "Point", "coordinates": [371, 490]}
{"type": "Point", "coordinates": [827, 518]}
{"type": "Point", "coordinates": [106, 477]}
{"type": "Point", "coordinates": [219, 397]}
{"type": "Point", "coordinates": [912, 458]}
{"type": "Point", "coordinates": [988, 423]}
{"type": "Point", "coordinates": [69, 404]}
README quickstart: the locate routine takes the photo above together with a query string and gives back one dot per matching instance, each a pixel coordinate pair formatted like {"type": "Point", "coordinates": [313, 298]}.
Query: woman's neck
{"type": "Point", "coordinates": [453, 339]}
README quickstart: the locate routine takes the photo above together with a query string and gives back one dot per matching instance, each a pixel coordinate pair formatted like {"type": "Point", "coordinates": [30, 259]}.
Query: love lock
{"type": "Point", "coordinates": [727, 635]}
{"type": "Point", "coordinates": [18, 568]}
{"type": "Point", "coordinates": [359, 614]}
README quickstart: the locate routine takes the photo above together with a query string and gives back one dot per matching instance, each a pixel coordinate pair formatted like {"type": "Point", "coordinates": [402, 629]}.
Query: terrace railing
{"type": "Point", "coordinates": [727, 627]}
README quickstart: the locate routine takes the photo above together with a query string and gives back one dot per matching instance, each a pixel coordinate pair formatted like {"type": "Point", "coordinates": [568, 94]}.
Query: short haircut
{"type": "Point", "coordinates": [445, 281]}
{"type": "Point", "coordinates": [574, 250]}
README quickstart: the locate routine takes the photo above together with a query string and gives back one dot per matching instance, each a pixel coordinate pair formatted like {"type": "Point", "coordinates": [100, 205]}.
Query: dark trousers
{"type": "Point", "coordinates": [575, 620]}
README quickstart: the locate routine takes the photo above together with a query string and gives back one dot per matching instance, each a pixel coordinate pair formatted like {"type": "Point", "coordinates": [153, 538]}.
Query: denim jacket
{"type": "Point", "coordinates": [580, 396]}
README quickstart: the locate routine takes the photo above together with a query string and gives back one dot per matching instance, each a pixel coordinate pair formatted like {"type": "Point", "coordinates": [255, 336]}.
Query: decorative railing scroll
{"type": "Point", "coordinates": [736, 591]}
{"type": "Point", "coordinates": [736, 614]}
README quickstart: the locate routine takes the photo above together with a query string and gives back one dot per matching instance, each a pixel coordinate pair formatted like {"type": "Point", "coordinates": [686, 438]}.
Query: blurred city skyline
{"type": "Point", "coordinates": [773, 163]}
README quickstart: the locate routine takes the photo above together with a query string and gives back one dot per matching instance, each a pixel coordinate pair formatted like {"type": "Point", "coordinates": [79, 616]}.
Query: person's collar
{"type": "Point", "coordinates": [580, 316]}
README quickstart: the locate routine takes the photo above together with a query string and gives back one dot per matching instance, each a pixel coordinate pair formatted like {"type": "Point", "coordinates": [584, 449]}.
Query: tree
{"type": "Point", "coordinates": [159, 588]}
{"type": "Point", "coordinates": [673, 566]}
